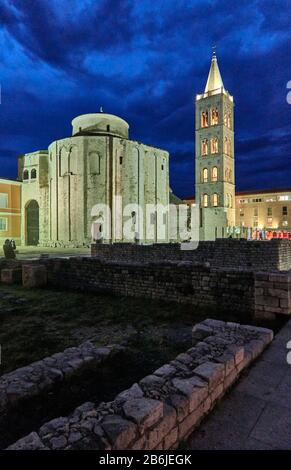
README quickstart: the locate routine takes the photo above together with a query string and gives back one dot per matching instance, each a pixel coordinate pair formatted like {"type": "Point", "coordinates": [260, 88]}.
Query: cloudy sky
{"type": "Point", "coordinates": [145, 60]}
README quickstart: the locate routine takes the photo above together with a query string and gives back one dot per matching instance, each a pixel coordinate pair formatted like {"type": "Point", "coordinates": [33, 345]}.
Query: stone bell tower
{"type": "Point", "coordinates": [214, 165]}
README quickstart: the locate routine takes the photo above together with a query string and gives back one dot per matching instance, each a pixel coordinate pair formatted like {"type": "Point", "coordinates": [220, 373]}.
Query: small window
{"type": "Point", "coordinates": [214, 116]}
{"type": "Point", "coordinates": [162, 167]}
{"type": "Point", "coordinates": [215, 200]}
{"type": "Point", "coordinates": [214, 145]}
{"type": "Point", "coordinates": [205, 175]}
{"type": "Point", "coordinates": [241, 212]}
{"type": "Point", "coordinates": [256, 212]}
{"type": "Point", "coordinates": [3, 224]}
{"type": "Point", "coordinates": [25, 175]}
{"type": "Point", "coordinates": [204, 147]}
{"type": "Point", "coordinates": [3, 200]}
{"type": "Point", "coordinates": [80, 129]}
{"type": "Point", "coordinates": [204, 119]}
{"type": "Point", "coordinates": [270, 221]}
{"type": "Point", "coordinates": [269, 212]}
{"type": "Point", "coordinates": [108, 128]}
{"type": "Point", "coordinates": [120, 160]}
{"type": "Point", "coordinates": [284, 210]}
{"type": "Point", "coordinates": [33, 174]}
{"type": "Point", "coordinates": [205, 200]}
{"type": "Point", "coordinates": [214, 174]}
{"type": "Point", "coordinates": [133, 217]}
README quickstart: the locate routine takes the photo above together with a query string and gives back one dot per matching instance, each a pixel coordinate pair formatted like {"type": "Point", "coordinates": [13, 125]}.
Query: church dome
{"type": "Point", "coordinates": [100, 123]}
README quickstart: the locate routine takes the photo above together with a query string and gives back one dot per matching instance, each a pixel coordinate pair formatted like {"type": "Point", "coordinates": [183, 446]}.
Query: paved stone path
{"type": "Point", "coordinates": [257, 412]}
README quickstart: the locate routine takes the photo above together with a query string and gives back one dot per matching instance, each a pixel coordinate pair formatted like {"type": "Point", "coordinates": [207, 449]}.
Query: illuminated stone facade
{"type": "Point", "coordinates": [98, 165]}
{"type": "Point", "coordinates": [214, 163]}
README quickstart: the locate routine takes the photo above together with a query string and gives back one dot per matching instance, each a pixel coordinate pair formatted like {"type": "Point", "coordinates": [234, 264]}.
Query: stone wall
{"type": "Point", "coordinates": [272, 294]}
{"type": "Point", "coordinates": [231, 252]}
{"type": "Point", "coordinates": [42, 376]}
{"type": "Point", "coordinates": [164, 408]}
{"type": "Point", "coordinates": [181, 282]}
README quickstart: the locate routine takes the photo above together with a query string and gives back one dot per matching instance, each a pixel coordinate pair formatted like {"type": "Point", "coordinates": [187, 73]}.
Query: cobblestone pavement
{"type": "Point", "coordinates": [256, 414]}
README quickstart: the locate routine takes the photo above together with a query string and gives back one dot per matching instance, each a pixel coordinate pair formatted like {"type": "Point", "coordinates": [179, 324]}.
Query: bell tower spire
{"type": "Point", "coordinates": [214, 81]}
{"type": "Point", "coordinates": [214, 159]}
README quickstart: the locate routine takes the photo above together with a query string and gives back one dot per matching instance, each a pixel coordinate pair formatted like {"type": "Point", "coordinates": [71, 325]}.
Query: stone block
{"type": "Point", "coordinates": [30, 442]}
{"type": "Point", "coordinates": [211, 372]}
{"type": "Point", "coordinates": [120, 432]}
{"type": "Point", "coordinates": [34, 276]}
{"type": "Point", "coordinates": [145, 412]}
{"type": "Point", "coordinates": [194, 388]}
{"type": "Point", "coordinates": [201, 331]}
{"type": "Point", "coordinates": [11, 276]}
{"type": "Point", "coordinates": [171, 438]}
{"type": "Point", "coordinates": [158, 432]}
{"type": "Point", "coordinates": [181, 405]}
{"type": "Point", "coordinates": [237, 352]}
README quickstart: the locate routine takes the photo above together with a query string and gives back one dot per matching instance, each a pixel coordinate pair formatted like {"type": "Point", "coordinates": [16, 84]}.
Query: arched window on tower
{"type": "Point", "coordinates": [214, 174]}
{"type": "Point", "coordinates": [214, 145]}
{"type": "Point", "coordinates": [214, 116]}
{"type": "Point", "coordinates": [33, 174]}
{"type": "Point", "coordinates": [205, 175]}
{"type": "Point", "coordinates": [205, 200]}
{"type": "Point", "coordinates": [25, 175]}
{"type": "Point", "coordinates": [215, 200]}
{"type": "Point", "coordinates": [204, 119]}
{"type": "Point", "coordinates": [204, 147]}
{"type": "Point", "coordinates": [225, 119]}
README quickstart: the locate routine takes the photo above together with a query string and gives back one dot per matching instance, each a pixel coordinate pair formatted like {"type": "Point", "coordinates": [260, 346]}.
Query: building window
{"type": "Point", "coordinates": [205, 175]}
{"type": "Point", "coordinates": [94, 163]}
{"type": "Point", "coordinates": [229, 200]}
{"type": "Point", "coordinates": [255, 223]}
{"type": "Point", "coordinates": [241, 212]}
{"type": "Point", "coordinates": [284, 210]}
{"type": "Point", "coordinates": [229, 120]}
{"type": "Point", "coordinates": [33, 174]}
{"type": "Point", "coordinates": [25, 175]}
{"type": "Point", "coordinates": [162, 167]}
{"type": "Point", "coordinates": [214, 116]}
{"type": "Point", "coordinates": [214, 145]}
{"type": "Point", "coordinates": [205, 200]}
{"type": "Point", "coordinates": [133, 217]}
{"type": "Point", "coordinates": [204, 147]}
{"type": "Point", "coordinates": [3, 200]}
{"type": "Point", "coordinates": [108, 128]}
{"type": "Point", "coordinates": [285, 223]}
{"type": "Point", "coordinates": [269, 212]}
{"type": "Point", "coordinates": [256, 212]}
{"type": "Point", "coordinates": [214, 174]}
{"type": "Point", "coordinates": [204, 119]}
{"type": "Point", "coordinates": [270, 221]}
{"type": "Point", "coordinates": [215, 200]}
{"type": "Point", "coordinates": [3, 224]}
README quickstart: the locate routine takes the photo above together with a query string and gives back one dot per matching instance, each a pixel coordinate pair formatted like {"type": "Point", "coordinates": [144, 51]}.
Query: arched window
{"type": "Point", "coordinates": [33, 174]}
{"type": "Point", "coordinates": [94, 163]}
{"type": "Point", "coordinates": [204, 175]}
{"type": "Point", "coordinates": [205, 200]}
{"type": "Point", "coordinates": [214, 145]}
{"type": "Point", "coordinates": [228, 200]}
{"type": "Point", "coordinates": [214, 116]}
{"type": "Point", "coordinates": [204, 147]}
{"type": "Point", "coordinates": [204, 119]}
{"type": "Point", "coordinates": [214, 174]}
{"type": "Point", "coordinates": [225, 119]}
{"type": "Point", "coordinates": [25, 175]}
{"type": "Point", "coordinates": [215, 200]}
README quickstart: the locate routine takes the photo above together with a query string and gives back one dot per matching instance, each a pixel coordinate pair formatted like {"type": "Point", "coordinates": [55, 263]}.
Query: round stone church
{"type": "Point", "coordinates": [67, 189]}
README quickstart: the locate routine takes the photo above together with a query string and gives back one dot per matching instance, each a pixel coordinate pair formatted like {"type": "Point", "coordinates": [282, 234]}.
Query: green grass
{"type": "Point", "coordinates": [46, 321]}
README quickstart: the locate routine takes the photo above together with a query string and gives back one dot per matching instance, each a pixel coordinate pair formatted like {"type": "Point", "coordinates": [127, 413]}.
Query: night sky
{"type": "Point", "coordinates": [145, 60]}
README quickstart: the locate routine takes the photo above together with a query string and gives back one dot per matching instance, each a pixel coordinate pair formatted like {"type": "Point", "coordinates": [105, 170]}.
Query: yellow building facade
{"type": "Point", "coordinates": [10, 210]}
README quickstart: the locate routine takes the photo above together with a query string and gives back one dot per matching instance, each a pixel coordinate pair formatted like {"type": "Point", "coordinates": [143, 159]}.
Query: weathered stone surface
{"type": "Point", "coordinates": [30, 442]}
{"type": "Point", "coordinates": [143, 411]}
{"type": "Point", "coordinates": [120, 432]}
{"type": "Point", "coordinates": [11, 276]}
{"type": "Point", "coordinates": [34, 275]}
{"type": "Point", "coordinates": [187, 389]}
{"type": "Point", "coordinates": [211, 372]}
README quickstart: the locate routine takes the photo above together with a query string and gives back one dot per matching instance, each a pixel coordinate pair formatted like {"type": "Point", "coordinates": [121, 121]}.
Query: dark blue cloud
{"type": "Point", "coordinates": [146, 61]}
